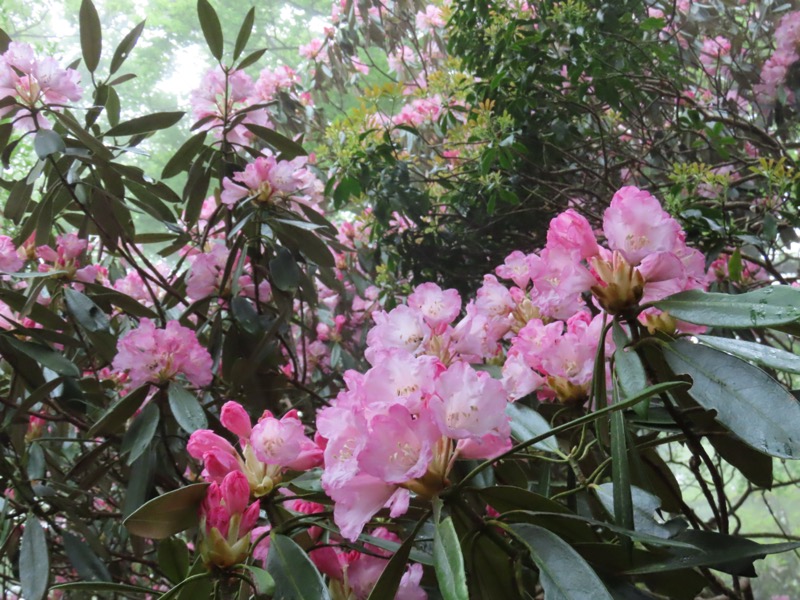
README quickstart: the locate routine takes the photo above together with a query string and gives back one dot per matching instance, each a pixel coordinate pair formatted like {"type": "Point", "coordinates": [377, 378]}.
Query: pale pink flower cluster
{"type": "Point", "coordinates": [10, 259]}
{"type": "Point", "coordinates": [713, 53]}
{"type": "Point", "coordinates": [220, 97]}
{"type": "Point", "coordinates": [775, 69]}
{"type": "Point", "coordinates": [419, 111]}
{"type": "Point", "coordinates": [397, 428]}
{"type": "Point", "coordinates": [160, 355]}
{"type": "Point", "coordinates": [34, 83]}
{"type": "Point", "coordinates": [268, 449]}
{"type": "Point", "coordinates": [205, 275]}
{"type": "Point", "coordinates": [269, 181]}
{"type": "Point", "coordinates": [429, 19]}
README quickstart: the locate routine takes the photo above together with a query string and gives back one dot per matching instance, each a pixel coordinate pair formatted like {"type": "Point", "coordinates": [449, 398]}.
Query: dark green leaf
{"type": "Point", "coordinates": [448, 560]}
{"type": "Point", "coordinates": [645, 506]}
{"type": "Point", "coordinates": [284, 272]}
{"type": "Point", "coordinates": [289, 149]}
{"type": "Point", "coordinates": [34, 562]}
{"type": "Point", "coordinates": [91, 37]}
{"type": "Point", "coordinates": [769, 306]}
{"type": "Point", "coordinates": [251, 58]}
{"type": "Point", "coordinates": [47, 142]}
{"type": "Point", "coordinates": [86, 312]}
{"type": "Point", "coordinates": [620, 469]}
{"type": "Point", "coordinates": [141, 433]}
{"type": "Point", "coordinates": [18, 199]}
{"type": "Point", "coordinates": [212, 30]}
{"type": "Point", "coordinates": [167, 514]}
{"type": "Point", "coordinates": [527, 424]}
{"type": "Point", "coordinates": [563, 574]}
{"type": "Point", "coordinates": [263, 581]}
{"type": "Point", "coordinates": [244, 33]}
{"type": "Point", "coordinates": [186, 408]}
{"type": "Point", "coordinates": [182, 159]}
{"type": "Point", "coordinates": [45, 356]}
{"type": "Point", "coordinates": [718, 550]}
{"type": "Point", "coordinates": [173, 558]}
{"type": "Point", "coordinates": [146, 124]}
{"type": "Point", "coordinates": [735, 266]}
{"type": "Point", "coordinates": [116, 415]}
{"type": "Point", "coordinates": [125, 46]}
{"type": "Point", "coordinates": [628, 367]}
{"type": "Point", "coordinates": [761, 354]}
{"type": "Point", "coordinates": [750, 403]}
{"type": "Point", "coordinates": [5, 40]}
{"type": "Point", "coordinates": [296, 577]}
{"type": "Point", "coordinates": [36, 462]}
{"type": "Point", "coordinates": [86, 563]}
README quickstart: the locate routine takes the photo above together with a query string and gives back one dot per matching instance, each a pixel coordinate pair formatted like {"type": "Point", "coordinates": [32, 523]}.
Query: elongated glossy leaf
{"type": "Point", "coordinates": [284, 271]}
{"type": "Point", "coordinates": [773, 305]}
{"type": "Point", "coordinates": [295, 576]}
{"type": "Point", "coordinates": [85, 312]}
{"type": "Point", "coordinates": [168, 514]}
{"type": "Point", "coordinates": [125, 46]}
{"type": "Point", "coordinates": [34, 562]}
{"type": "Point", "coordinates": [86, 562]}
{"type": "Point", "coordinates": [91, 35]}
{"type": "Point", "coordinates": [449, 562]}
{"type": "Point", "coordinates": [182, 159]}
{"type": "Point", "coordinates": [621, 470]}
{"type": "Point", "coordinates": [186, 409]}
{"type": "Point", "coordinates": [728, 551]}
{"type": "Point", "coordinates": [564, 575]}
{"type": "Point", "coordinates": [628, 367]}
{"type": "Point", "coordinates": [141, 433]}
{"type": "Point", "coordinates": [288, 148]}
{"type": "Point", "coordinates": [645, 506]}
{"type": "Point", "coordinates": [47, 142]}
{"type": "Point", "coordinates": [761, 354]}
{"type": "Point", "coordinates": [116, 415]}
{"type": "Point", "coordinates": [755, 407]}
{"type": "Point", "coordinates": [251, 58]}
{"type": "Point", "coordinates": [527, 424]}
{"type": "Point", "coordinates": [244, 33]}
{"type": "Point", "coordinates": [262, 580]}
{"type": "Point", "coordinates": [146, 124]}
{"type": "Point", "coordinates": [212, 30]}
{"type": "Point", "coordinates": [173, 559]}
{"type": "Point", "coordinates": [45, 356]}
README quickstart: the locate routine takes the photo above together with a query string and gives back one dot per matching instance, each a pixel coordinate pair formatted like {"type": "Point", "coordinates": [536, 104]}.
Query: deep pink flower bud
{"type": "Point", "coordinates": [235, 492]}
{"type": "Point", "coordinates": [235, 419]}
{"type": "Point", "coordinates": [205, 440]}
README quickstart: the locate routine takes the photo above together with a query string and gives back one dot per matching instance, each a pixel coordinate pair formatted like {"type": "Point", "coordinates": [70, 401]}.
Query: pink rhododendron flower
{"type": "Point", "coordinates": [34, 83]}
{"type": "Point", "coordinates": [159, 355]}
{"type": "Point", "coordinates": [10, 260]}
{"type": "Point", "coordinates": [268, 180]}
{"type": "Point", "coordinates": [438, 307]}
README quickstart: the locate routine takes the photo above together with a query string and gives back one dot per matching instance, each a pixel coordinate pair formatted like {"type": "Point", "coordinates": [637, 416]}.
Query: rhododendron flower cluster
{"type": "Point", "coordinates": [268, 449]}
{"type": "Point", "coordinates": [157, 355]}
{"type": "Point", "coordinates": [268, 181]}
{"type": "Point", "coordinates": [775, 70]}
{"type": "Point", "coordinates": [397, 428]}
{"type": "Point", "coordinates": [226, 520]}
{"type": "Point", "coordinates": [34, 83]}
